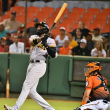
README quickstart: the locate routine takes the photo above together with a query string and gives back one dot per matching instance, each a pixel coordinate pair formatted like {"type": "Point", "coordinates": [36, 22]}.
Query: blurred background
{"type": "Point", "coordinates": [84, 24]}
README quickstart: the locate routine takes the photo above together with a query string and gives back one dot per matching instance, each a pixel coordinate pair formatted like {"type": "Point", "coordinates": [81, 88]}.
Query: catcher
{"type": "Point", "coordinates": [96, 89]}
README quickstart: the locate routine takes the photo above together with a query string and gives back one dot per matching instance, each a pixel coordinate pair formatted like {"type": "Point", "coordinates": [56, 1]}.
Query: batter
{"type": "Point", "coordinates": [41, 46]}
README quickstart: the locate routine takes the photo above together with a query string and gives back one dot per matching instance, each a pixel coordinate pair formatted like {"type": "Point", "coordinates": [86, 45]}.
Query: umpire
{"type": "Point", "coordinates": [32, 30]}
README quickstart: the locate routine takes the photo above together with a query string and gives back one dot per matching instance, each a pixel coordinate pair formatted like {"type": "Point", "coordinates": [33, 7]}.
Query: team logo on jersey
{"type": "Point", "coordinates": [87, 83]}
{"type": "Point", "coordinates": [98, 78]}
{"type": "Point", "coordinates": [40, 46]}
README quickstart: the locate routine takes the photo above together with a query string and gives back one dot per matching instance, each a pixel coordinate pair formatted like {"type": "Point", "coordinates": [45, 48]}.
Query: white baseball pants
{"type": "Point", "coordinates": [96, 105]}
{"type": "Point", "coordinates": [34, 72]}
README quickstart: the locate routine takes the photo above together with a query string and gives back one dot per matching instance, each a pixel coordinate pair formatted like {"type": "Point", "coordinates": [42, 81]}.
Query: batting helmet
{"type": "Point", "coordinates": [44, 29]}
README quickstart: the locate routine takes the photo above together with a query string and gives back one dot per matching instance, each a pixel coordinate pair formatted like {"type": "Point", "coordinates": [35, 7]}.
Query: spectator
{"type": "Point", "coordinates": [3, 46]}
{"type": "Point", "coordinates": [107, 53]}
{"type": "Point", "coordinates": [72, 43]}
{"type": "Point", "coordinates": [65, 49]}
{"type": "Point", "coordinates": [78, 36]}
{"type": "Point", "coordinates": [90, 43]}
{"type": "Point", "coordinates": [14, 3]}
{"type": "Point", "coordinates": [96, 35]}
{"type": "Point", "coordinates": [61, 38]}
{"type": "Point", "coordinates": [98, 51]}
{"type": "Point", "coordinates": [8, 40]}
{"type": "Point", "coordinates": [11, 24]}
{"type": "Point", "coordinates": [27, 45]}
{"type": "Point", "coordinates": [0, 7]}
{"type": "Point", "coordinates": [16, 47]}
{"type": "Point", "coordinates": [80, 49]}
{"type": "Point", "coordinates": [105, 42]}
{"type": "Point", "coordinates": [2, 31]}
{"type": "Point", "coordinates": [84, 31]}
{"type": "Point", "coordinates": [33, 30]}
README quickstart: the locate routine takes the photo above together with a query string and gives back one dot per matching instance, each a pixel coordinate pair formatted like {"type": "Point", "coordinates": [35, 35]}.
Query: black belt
{"type": "Point", "coordinates": [32, 61]}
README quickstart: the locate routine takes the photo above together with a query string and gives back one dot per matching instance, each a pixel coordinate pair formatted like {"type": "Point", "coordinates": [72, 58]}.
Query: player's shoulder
{"type": "Point", "coordinates": [34, 36]}
{"type": "Point", "coordinates": [91, 78]}
{"type": "Point", "coordinates": [51, 42]}
{"type": "Point", "coordinates": [50, 39]}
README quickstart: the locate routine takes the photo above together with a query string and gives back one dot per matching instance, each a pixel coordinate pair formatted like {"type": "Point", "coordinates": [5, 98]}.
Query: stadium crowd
{"type": "Point", "coordinates": [80, 41]}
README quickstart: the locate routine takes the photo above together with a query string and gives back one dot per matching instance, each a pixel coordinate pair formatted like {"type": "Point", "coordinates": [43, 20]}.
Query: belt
{"type": "Point", "coordinates": [105, 101]}
{"type": "Point", "coordinates": [34, 61]}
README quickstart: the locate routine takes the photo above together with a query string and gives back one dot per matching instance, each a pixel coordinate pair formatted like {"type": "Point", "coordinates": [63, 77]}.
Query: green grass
{"type": "Point", "coordinates": [30, 104]}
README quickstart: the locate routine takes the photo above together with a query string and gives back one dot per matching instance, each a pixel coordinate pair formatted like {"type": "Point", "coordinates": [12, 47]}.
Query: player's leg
{"type": "Point", "coordinates": [34, 95]}
{"type": "Point", "coordinates": [95, 105]}
{"type": "Point", "coordinates": [35, 72]}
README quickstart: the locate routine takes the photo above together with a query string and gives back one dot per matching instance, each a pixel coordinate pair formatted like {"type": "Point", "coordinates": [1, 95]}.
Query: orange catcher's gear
{"type": "Point", "coordinates": [91, 68]}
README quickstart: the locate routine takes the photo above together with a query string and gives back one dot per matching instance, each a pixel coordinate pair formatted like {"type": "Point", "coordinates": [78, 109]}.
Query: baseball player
{"type": "Point", "coordinates": [41, 46]}
{"type": "Point", "coordinates": [96, 89]}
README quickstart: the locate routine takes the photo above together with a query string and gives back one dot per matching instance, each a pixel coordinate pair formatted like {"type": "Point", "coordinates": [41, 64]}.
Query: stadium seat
{"type": "Point", "coordinates": [29, 25]}
{"type": "Point", "coordinates": [23, 3]}
{"type": "Point", "coordinates": [42, 15]}
{"type": "Point", "coordinates": [2, 18]}
{"type": "Point", "coordinates": [74, 15]}
{"type": "Point", "coordinates": [55, 4]}
{"type": "Point", "coordinates": [93, 10]}
{"type": "Point", "coordinates": [106, 28]}
{"type": "Point", "coordinates": [55, 32]}
{"type": "Point", "coordinates": [102, 16]}
{"type": "Point", "coordinates": [66, 11]}
{"type": "Point", "coordinates": [21, 19]}
{"type": "Point", "coordinates": [107, 10]}
{"type": "Point", "coordinates": [53, 15]}
{"type": "Point", "coordinates": [32, 9]}
{"type": "Point", "coordinates": [92, 26]}
{"type": "Point", "coordinates": [39, 4]}
{"type": "Point", "coordinates": [70, 5]}
{"type": "Point", "coordinates": [50, 21]}
{"type": "Point", "coordinates": [18, 8]}
{"type": "Point", "coordinates": [48, 9]}
{"type": "Point", "coordinates": [79, 10]}
{"type": "Point", "coordinates": [88, 16]}
{"type": "Point", "coordinates": [74, 26]}
{"type": "Point", "coordinates": [69, 20]}
{"type": "Point", "coordinates": [85, 20]}
{"type": "Point", "coordinates": [100, 21]}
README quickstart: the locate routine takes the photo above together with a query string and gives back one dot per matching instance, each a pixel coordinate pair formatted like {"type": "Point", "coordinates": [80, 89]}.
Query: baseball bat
{"type": "Point", "coordinates": [58, 16]}
{"type": "Point", "coordinates": [7, 85]}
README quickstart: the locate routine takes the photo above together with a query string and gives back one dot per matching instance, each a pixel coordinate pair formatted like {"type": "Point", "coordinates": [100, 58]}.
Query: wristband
{"type": "Point", "coordinates": [82, 103]}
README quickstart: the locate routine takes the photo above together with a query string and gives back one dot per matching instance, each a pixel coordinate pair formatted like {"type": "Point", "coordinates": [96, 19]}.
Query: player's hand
{"type": "Point", "coordinates": [43, 39]}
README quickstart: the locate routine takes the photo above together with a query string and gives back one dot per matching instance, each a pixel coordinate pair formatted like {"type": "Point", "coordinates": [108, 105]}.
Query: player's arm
{"type": "Point", "coordinates": [51, 49]}
{"type": "Point", "coordinates": [86, 97]}
{"type": "Point", "coordinates": [89, 84]}
{"type": "Point", "coordinates": [34, 41]}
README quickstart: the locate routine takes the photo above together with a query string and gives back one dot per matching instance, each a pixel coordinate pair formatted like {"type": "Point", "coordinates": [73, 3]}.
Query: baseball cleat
{"type": "Point", "coordinates": [7, 107]}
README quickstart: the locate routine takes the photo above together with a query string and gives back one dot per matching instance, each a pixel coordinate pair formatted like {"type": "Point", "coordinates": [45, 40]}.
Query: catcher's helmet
{"type": "Point", "coordinates": [91, 68]}
{"type": "Point", "coordinates": [44, 29]}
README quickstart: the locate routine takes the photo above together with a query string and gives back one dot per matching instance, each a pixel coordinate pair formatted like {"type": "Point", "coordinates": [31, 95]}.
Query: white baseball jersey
{"type": "Point", "coordinates": [39, 52]}
{"type": "Point", "coordinates": [13, 48]}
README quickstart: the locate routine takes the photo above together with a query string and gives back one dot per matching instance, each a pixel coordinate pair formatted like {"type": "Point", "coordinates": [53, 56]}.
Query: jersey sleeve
{"type": "Point", "coordinates": [51, 42]}
{"type": "Point", "coordinates": [89, 83]}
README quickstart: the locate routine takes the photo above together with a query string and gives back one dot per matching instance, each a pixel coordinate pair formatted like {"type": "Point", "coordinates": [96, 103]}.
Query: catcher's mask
{"type": "Point", "coordinates": [91, 68]}
{"type": "Point", "coordinates": [43, 29]}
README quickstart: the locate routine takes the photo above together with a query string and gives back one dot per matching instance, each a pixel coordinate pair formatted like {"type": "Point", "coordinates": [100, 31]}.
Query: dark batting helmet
{"type": "Point", "coordinates": [44, 29]}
